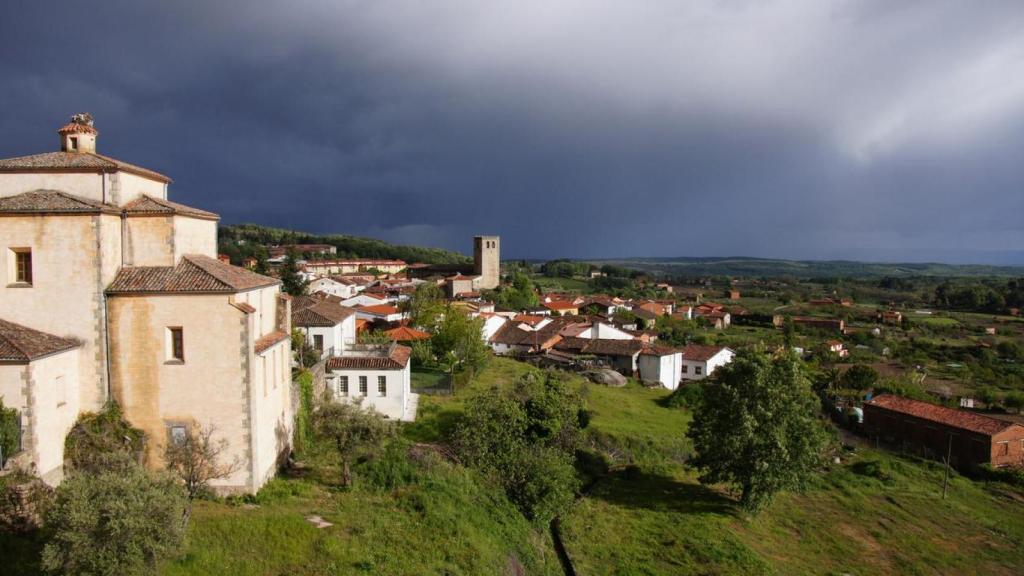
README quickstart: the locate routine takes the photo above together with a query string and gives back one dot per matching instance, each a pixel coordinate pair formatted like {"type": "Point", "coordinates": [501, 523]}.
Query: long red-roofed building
{"type": "Point", "coordinates": [932, 430]}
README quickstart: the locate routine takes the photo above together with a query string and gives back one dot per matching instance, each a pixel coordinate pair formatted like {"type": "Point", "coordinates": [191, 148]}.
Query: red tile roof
{"type": "Point", "coordinates": [322, 314]}
{"type": "Point", "coordinates": [560, 305]}
{"type": "Point", "coordinates": [22, 344]}
{"type": "Point", "coordinates": [53, 202]}
{"type": "Point", "coordinates": [700, 353]}
{"type": "Point", "coordinates": [405, 334]}
{"type": "Point", "coordinates": [88, 162]}
{"type": "Point", "coordinates": [397, 359]}
{"type": "Point", "coordinates": [147, 205]}
{"type": "Point", "coordinates": [194, 273]}
{"type": "Point", "coordinates": [266, 342]}
{"type": "Point", "coordinates": [950, 417]}
{"type": "Point", "coordinates": [379, 309]}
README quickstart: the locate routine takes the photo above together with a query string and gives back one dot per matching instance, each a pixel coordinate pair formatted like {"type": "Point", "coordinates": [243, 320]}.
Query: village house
{"type": "Point", "coordinates": [96, 255]}
{"type": "Point", "coordinates": [836, 347]}
{"type": "Point", "coordinates": [459, 284]}
{"type": "Point", "coordinates": [365, 298]}
{"type": "Point", "coordinates": [327, 326]}
{"type": "Point", "coordinates": [336, 286]}
{"type": "Point", "coordinates": [380, 313]}
{"type": "Point", "coordinates": [700, 361]}
{"type": "Point", "coordinates": [891, 317]}
{"type": "Point", "coordinates": [562, 308]}
{"type": "Point", "coordinates": [970, 439]}
{"type": "Point", "coordinates": [376, 376]}
{"type": "Point", "coordinates": [404, 333]}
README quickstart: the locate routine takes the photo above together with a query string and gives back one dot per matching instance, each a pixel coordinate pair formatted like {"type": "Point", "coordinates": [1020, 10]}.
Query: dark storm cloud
{"type": "Point", "coordinates": [872, 130]}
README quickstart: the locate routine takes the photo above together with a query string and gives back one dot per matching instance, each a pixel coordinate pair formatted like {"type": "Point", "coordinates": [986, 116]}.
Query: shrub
{"type": "Point", "coordinates": [103, 441]}
{"type": "Point", "coordinates": [121, 522]}
{"type": "Point", "coordinates": [10, 432]}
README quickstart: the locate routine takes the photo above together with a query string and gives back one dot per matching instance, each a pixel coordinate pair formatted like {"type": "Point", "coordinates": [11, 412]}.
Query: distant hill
{"type": "Point", "coordinates": [745, 266]}
{"type": "Point", "coordinates": [242, 240]}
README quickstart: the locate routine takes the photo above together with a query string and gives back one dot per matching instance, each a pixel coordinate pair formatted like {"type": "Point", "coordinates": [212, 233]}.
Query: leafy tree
{"type": "Point", "coordinates": [196, 460]}
{"type": "Point", "coordinates": [291, 280]}
{"type": "Point", "coordinates": [757, 428]}
{"type": "Point", "coordinates": [458, 342]}
{"type": "Point", "coordinates": [859, 377]}
{"type": "Point", "coordinates": [354, 430]}
{"type": "Point", "coordinates": [989, 397]}
{"type": "Point", "coordinates": [425, 306]}
{"type": "Point", "coordinates": [525, 439]}
{"type": "Point", "coordinates": [1014, 401]}
{"type": "Point", "coordinates": [517, 296]}
{"type": "Point", "coordinates": [113, 523]}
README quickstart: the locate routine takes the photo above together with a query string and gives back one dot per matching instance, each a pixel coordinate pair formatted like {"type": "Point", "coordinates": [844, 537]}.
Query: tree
{"type": "Point", "coordinates": [458, 342]}
{"type": "Point", "coordinates": [196, 460]}
{"type": "Point", "coordinates": [859, 377]}
{"type": "Point", "coordinates": [291, 280]}
{"type": "Point", "coordinates": [1014, 401]}
{"type": "Point", "coordinates": [757, 427]}
{"type": "Point", "coordinates": [425, 306]}
{"type": "Point", "coordinates": [524, 440]}
{"type": "Point", "coordinates": [355, 432]}
{"type": "Point", "coordinates": [519, 295]}
{"type": "Point", "coordinates": [115, 522]}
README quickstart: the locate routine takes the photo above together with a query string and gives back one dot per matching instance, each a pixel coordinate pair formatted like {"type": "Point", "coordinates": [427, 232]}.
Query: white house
{"type": "Point", "coordinates": [699, 362]}
{"type": "Point", "coordinates": [380, 313]}
{"type": "Point", "coordinates": [492, 323]}
{"type": "Point", "coordinates": [326, 325]}
{"type": "Point", "coordinates": [376, 376]}
{"type": "Point", "coordinates": [662, 365]}
{"type": "Point", "coordinates": [364, 299]}
{"type": "Point", "coordinates": [340, 286]}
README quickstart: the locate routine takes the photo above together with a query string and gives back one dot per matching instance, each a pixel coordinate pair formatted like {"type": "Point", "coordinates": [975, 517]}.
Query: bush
{"type": "Point", "coordinates": [10, 432]}
{"type": "Point", "coordinates": [525, 440]}
{"type": "Point", "coordinates": [302, 416]}
{"type": "Point", "coordinates": [121, 522]}
{"type": "Point", "coordinates": [686, 396]}
{"type": "Point", "coordinates": [103, 441]}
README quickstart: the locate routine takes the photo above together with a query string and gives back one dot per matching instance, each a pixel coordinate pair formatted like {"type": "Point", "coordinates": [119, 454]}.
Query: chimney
{"type": "Point", "coordinates": [78, 135]}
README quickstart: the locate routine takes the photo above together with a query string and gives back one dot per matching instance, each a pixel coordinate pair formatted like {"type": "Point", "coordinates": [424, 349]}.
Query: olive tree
{"type": "Point", "coordinates": [354, 431]}
{"type": "Point", "coordinates": [196, 459]}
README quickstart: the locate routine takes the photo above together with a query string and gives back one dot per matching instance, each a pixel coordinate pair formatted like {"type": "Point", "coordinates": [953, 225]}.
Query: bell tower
{"type": "Point", "coordinates": [78, 135]}
{"type": "Point", "coordinates": [487, 260]}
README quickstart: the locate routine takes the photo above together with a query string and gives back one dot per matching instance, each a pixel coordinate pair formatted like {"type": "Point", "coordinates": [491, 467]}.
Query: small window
{"type": "Point", "coordinates": [22, 265]}
{"type": "Point", "coordinates": [318, 342]}
{"type": "Point", "coordinates": [362, 385]}
{"type": "Point", "coordinates": [343, 385]}
{"type": "Point", "coordinates": [697, 370]}
{"type": "Point", "coordinates": [60, 391]}
{"type": "Point", "coordinates": [176, 353]}
{"type": "Point", "coordinates": [382, 385]}
{"type": "Point", "coordinates": [686, 369]}
{"type": "Point", "coordinates": [178, 434]}
{"type": "Point", "coordinates": [73, 143]}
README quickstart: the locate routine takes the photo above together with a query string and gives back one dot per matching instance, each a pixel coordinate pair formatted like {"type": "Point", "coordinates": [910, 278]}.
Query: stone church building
{"type": "Point", "coordinates": [113, 292]}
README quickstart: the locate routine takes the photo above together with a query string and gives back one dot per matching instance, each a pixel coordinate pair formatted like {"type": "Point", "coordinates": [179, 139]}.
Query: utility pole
{"type": "Point", "coordinates": [945, 478]}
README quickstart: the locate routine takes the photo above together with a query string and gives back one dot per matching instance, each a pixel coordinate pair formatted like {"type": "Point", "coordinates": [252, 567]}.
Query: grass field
{"type": "Point", "coordinates": [875, 513]}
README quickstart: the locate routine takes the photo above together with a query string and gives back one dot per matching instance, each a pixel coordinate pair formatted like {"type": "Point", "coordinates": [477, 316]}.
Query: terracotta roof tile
{"type": "Point", "coordinates": [405, 334]}
{"type": "Point", "coordinates": [266, 342]}
{"type": "Point", "coordinates": [948, 416]}
{"type": "Point", "coordinates": [22, 344]}
{"type": "Point", "coordinates": [194, 273]}
{"type": "Point", "coordinates": [52, 201]}
{"type": "Point", "coordinates": [75, 162]}
{"type": "Point", "coordinates": [321, 314]}
{"type": "Point", "coordinates": [147, 205]}
{"type": "Point", "coordinates": [700, 353]}
{"type": "Point", "coordinates": [396, 360]}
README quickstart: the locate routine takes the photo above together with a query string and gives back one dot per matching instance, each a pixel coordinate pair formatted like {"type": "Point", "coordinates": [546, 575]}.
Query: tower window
{"type": "Point", "coordinates": [73, 143]}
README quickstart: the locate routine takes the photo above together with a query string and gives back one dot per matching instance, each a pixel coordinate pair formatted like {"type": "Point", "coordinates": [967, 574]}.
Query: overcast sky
{"type": "Point", "coordinates": [879, 130]}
